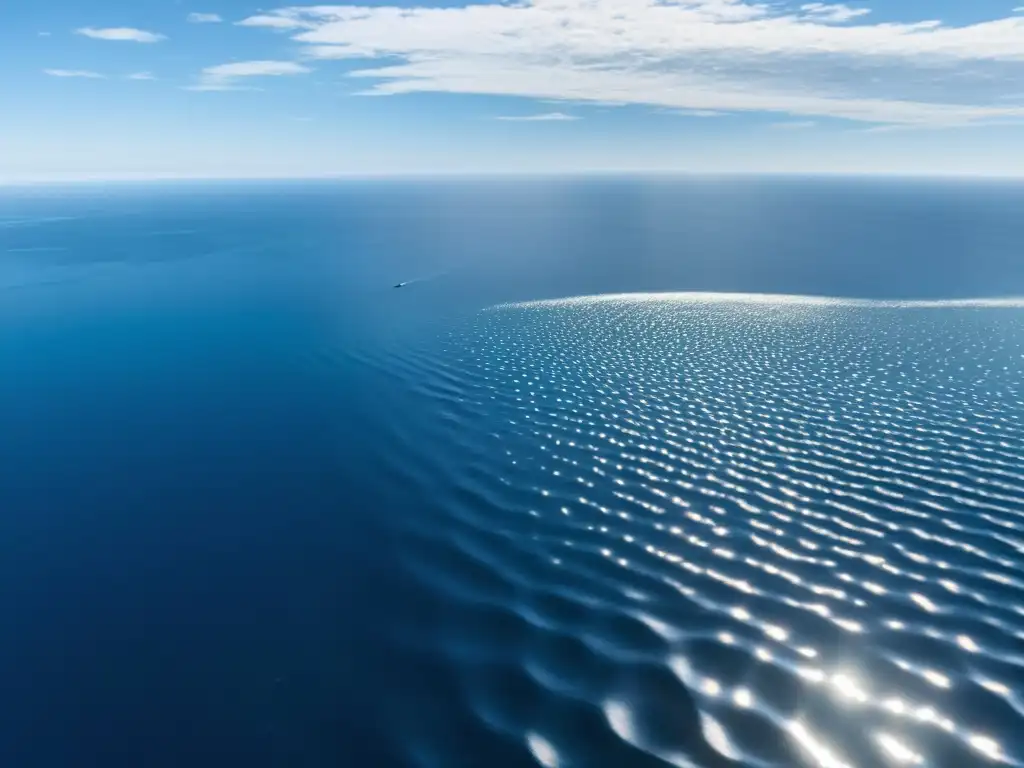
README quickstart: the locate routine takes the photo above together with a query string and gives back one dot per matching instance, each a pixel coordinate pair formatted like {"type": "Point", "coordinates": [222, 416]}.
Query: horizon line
{"type": "Point", "coordinates": [86, 179]}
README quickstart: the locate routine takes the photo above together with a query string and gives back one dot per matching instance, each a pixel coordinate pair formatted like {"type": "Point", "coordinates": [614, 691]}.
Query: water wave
{"type": "Point", "coordinates": [34, 221]}
{"type": "Point", "coordinates": [711, 530]}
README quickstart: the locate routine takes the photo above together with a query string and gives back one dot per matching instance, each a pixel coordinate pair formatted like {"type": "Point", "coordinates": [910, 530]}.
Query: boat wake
{"type": "Point", "coordinates": [426, 279]}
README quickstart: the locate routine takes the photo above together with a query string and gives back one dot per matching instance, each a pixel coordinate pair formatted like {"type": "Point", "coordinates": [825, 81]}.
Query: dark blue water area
{"type": "Point", "coordinates": [260, 507]}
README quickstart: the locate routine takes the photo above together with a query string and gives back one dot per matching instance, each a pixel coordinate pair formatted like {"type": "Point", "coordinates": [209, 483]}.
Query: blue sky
{"type": "Point", "coordinates": [226, 88]}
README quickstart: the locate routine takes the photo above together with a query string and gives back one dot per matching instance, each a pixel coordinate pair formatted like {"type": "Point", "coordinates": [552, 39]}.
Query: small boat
{"type": "Point", "coordinates": [399, 285]}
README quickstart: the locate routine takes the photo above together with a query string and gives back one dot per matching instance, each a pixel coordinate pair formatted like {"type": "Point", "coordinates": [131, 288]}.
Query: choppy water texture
{"type": "Point", "coordinates": [733, 530]}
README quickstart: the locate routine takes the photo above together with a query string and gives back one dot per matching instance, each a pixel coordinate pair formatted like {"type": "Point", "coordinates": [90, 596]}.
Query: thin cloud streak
{"type": "Point", "coordinates": [838, 13]}
{"type": "Point", "coordinates": [546, 117]}
{"type": "Point", "coordinates": [120, 34]}
{"type": "Point", "coordinates": [225, 77]}
{"type": "Point", "coordinates": [85, 73]}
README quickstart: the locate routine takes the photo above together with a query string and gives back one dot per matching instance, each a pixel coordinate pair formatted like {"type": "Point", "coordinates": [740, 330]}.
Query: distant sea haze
{"type": "Point", "coordinates": [630, 472]}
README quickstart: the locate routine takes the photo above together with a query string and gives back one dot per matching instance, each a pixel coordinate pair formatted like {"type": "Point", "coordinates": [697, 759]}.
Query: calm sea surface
{"type": "Point", "coordinates": [630, 472]}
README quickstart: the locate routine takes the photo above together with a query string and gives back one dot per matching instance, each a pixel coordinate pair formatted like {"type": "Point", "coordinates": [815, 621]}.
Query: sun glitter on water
{"type": "Point", "coordinates": [774, 530]}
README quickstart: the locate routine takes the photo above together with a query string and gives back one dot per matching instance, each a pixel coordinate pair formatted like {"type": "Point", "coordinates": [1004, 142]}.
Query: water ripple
{"type": "Point", "coordinates": [705, 530]}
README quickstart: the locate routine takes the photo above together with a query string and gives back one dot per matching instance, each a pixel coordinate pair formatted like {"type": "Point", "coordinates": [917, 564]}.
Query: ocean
{"type": "Point", "coordinates": [689, 472]}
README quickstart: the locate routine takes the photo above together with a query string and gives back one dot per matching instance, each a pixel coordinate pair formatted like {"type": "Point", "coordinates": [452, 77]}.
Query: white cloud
{"type": "Point", "coordinates": [255, 69]}
{"type": "Point", "coordinates": [141, 76]}
{"type": "Point", "coordinates": [286, 18]}
{"type": "Point", "coordinates": [339, 52]}
{"type": "Point", "coordinates": [837, 13]}
{"type": "Point", "coordinates": [72, 73]}
{"type": "Point", "coordinates": [824, 59]}
{"type": "Point", "coordinates": [44, 34]}
{"type": "Point", "coordinates": [203, 18]}
{"type": "Point", "coordinates": [541, 118]}
{"type": "Point", "coordinates": [121, 34]}
{"type": "Point", "coordinates": [226, 77]}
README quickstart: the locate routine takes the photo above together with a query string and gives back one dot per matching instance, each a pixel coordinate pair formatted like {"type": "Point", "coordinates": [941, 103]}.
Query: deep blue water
{"type": "Point", "coordinates": [258, 507]}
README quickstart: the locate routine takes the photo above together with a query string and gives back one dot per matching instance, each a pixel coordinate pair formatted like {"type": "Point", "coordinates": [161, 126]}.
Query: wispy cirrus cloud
{"type": "Point", "coordinates": [204, 18]}
{"type": "Point", "coordinates": [141, 76]}
{"type": "Point", "coordinates": [698, 113]}
{"type": "Point", "coordinates": [230, 77]}
{"type": "Point", "coordinates": [833, 13]}
{"type": "Point", "coordinates": [86, 73]}
{"type": "Point", "coordinates": [806, 60]}
{"type": "Point", "coordinates": [544, 117]}
{"type": "Point", "coordinates": [122, 34]}
{"type": "Point", "coordinates": [286, 18]}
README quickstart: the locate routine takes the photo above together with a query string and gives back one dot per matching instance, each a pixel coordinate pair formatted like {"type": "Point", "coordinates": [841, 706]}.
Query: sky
{"type": "Point", "coordinates": [226, 88]}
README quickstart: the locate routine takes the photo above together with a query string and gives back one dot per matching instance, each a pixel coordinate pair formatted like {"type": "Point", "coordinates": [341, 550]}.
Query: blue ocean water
{"type": "Point", "coordinates": [632, 472]}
